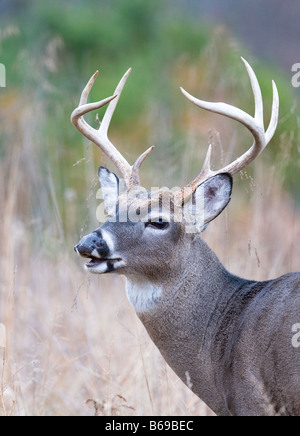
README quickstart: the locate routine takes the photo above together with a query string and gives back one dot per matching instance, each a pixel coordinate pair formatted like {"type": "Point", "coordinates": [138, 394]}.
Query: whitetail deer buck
{"type": "Point", "coordinates": [228, 338]}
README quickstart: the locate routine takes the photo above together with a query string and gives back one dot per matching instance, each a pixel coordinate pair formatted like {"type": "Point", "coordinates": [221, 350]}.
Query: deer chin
{"type": "Point", "coordinates": [102, 266]}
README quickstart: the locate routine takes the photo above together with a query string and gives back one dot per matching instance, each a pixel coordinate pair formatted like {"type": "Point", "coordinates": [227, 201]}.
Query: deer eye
{"type": "Point", "coordinates": [159, 224]}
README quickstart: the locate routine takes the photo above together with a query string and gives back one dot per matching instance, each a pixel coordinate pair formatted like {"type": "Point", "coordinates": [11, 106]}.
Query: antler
{"type": "Point", "coordinates": [131, 173]}
{"type": "Point", "coordinates": [254, 124]}
{"type": "Point", "coordinates": [100, 136]}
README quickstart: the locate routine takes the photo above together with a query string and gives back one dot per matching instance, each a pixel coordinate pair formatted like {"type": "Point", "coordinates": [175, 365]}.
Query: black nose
{"type": "Point", "coordinates": [88, 244]}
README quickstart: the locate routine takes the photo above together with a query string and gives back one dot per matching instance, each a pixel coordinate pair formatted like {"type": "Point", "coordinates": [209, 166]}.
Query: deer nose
{"type": "Point", "coordinates": [92, 245]}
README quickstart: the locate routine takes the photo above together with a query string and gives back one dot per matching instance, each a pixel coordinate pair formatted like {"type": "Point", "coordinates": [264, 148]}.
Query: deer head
{"type": "Point", "coordinates": [143, 228]}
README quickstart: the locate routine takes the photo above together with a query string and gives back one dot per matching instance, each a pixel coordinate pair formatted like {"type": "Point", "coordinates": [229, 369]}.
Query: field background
{"type": "Point", "coordinates": [70, 343]}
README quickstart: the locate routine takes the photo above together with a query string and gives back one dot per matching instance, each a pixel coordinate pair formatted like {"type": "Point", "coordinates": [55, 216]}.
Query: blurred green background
{"type": "Point", "coordinates": [51, 48]}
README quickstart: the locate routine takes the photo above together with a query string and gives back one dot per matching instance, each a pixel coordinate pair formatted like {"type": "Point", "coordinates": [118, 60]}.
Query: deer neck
{"type": "Point", "coordinates": [197, 276]}
{"type": "Point", "coordinates": [183, 314]}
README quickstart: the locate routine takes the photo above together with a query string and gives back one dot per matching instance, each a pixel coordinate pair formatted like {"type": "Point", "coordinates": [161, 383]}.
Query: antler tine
{"type": "Point", "coordinates": [206, 171]}
{"type": "Point", "coordinates": [275, 112]}
{"type": "Point", "coordinates": [99, 136]}
{"type": "Point", "coordinates": [86, 92]}
{"type": "Point", "coordinates": [254, 124]}
{"type": "Point", "coordinates": [258, 101]}
{"type": "Point", "coordinates": [112, 106]}
{"type": "Point", "coordinates": [135, 176]}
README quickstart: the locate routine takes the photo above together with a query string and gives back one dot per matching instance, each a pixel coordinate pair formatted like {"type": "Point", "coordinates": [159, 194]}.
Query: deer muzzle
{"type": "Point", "coordinates": [95, 248]}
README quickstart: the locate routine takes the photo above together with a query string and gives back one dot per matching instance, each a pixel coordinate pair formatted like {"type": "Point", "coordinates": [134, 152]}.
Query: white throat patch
{"type": "Point", "coordinates": [142, 294]}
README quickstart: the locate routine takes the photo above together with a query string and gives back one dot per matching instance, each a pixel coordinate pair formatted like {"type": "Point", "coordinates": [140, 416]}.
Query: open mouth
{"type": "Point", "coordinates": [103, 265]}
{"type": "Point", "coordinates": [94, 261]}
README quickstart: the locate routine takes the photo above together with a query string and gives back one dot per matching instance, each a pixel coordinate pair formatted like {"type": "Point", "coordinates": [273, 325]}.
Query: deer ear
{"type": "Point", "coordinates": [208, 201]}
{"type": "Point", "coordinates": [215, 195]}
{"type": "Point", "coordinates": [110, 184]}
